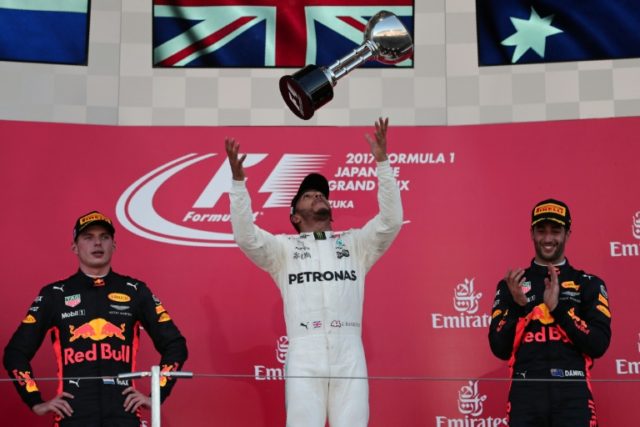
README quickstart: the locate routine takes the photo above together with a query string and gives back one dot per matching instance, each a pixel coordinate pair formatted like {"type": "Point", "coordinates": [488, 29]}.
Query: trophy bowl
{"type": "Point", "coordinates": [386, 40]}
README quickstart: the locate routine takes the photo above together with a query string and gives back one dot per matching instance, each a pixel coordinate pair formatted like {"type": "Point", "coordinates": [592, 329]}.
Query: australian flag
{"type": "Point", "coordinates": [264, 33]}
{"type": "Point", "coordinates": [530, 31]}
{"type": "Point", "coordinates": [53, 31]}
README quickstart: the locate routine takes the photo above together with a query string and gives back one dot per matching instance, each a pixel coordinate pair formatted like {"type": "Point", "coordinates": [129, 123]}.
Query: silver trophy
{"type": "Point", "coordinates": [385, 39]}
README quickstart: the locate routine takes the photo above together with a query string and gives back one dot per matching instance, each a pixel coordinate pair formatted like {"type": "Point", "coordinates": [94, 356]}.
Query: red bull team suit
{"type": "Point", "coordinates": [321, 280]}
{"type": "Point", "coordinates": [553, 349]}
{"type": "Point", "coordinates": [94, 324]}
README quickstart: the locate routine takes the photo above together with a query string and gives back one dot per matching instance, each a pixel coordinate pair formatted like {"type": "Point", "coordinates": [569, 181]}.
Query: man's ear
{"type": "Point", "coordinates": [295, 219]}
{"type": "Point", "coordinates": [74, 248]}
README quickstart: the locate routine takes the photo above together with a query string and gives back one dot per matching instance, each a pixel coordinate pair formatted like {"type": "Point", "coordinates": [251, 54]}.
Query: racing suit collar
{"type": "Point", "coordinates": [542, 269]}
{"type": "Point", "coordinates": [91, 281]}
{"type": "Point", "coordinates": [318, 235]}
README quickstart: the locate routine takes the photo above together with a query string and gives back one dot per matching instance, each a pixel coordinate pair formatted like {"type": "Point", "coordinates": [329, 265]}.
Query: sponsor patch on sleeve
{"type": "Point", "coordinates": [603, 291]}
{"type": "Point", "coordinates": [604, 310]}
{"type": "Point", "coordinates": [29, 319]}
{"type": "Point", "coordinates": [25, 380]}
{"type": "Point", "coordinates": [603, 300]}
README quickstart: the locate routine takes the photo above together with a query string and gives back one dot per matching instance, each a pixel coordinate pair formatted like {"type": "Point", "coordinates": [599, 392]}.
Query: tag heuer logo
{"type": "Point", "coordinates": [72, 300]}
{"type": "Point", "coordinates": [526, 286]}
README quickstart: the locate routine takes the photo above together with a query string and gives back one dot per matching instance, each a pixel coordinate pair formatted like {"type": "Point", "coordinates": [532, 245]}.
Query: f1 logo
{"type": "Point", "coordinates": [295, 98]}
{"type": "Point", "coordinates": [138, 213]}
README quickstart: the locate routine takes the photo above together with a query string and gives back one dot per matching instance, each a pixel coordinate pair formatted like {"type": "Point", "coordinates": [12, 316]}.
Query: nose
{"type": "Point", "coordinates": [548, 237]}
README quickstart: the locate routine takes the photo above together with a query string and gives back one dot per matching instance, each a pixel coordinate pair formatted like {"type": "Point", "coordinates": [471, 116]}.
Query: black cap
{"type": "Point", "coordinates": [313, 181]}
{"type": "Point", "coordinates": [551, 210]}
{"type": "Point", "coordinates": [92, 218]}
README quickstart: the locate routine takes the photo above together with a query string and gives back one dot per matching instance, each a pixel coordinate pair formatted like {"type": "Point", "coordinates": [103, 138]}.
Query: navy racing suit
{"type": "Point", "coordinates": [95, 327]}
{"type": "Point", "coordinates": [555, 348]}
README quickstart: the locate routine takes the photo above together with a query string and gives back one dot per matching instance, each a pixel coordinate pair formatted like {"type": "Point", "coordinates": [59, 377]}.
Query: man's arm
{"type": "Point", "coordinates": [21, 348]}
{"type": "Point", "coordinates": [166, 337]}
{"type": "Point", "coordinates": [259, 245]}
{"type": "Point", "coordinates": [504, 317]}
{"type": "Point", "coordinates": [378, 234]}
{"type": "Point", "coordinates": [588, 324]}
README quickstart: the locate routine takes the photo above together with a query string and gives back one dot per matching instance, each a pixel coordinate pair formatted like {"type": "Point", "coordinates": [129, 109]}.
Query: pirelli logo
{"type": "Point", "coordinates": [118, 297]}
{"type": "Point", "coordinates": [94, 217]}
{"type": "Point", "coordinates": [550, 207]}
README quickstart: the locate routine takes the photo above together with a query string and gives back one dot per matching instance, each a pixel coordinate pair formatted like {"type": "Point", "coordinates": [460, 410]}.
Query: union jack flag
{"type": "Point", "coordinates": [264, 33]}
{"type": "Point", "coordinates": [52, 31]}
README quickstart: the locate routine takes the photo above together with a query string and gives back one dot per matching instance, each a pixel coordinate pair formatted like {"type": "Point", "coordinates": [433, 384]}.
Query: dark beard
{"type": "Point", "coordinates": [556, 256]}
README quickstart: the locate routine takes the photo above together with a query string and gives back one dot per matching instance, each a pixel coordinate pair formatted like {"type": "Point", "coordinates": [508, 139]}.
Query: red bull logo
{"type": "Point", "coordinates": [577, 321]}
{"type": "Point", "coordinates": [25, 380]}
{"type": "Point", "coordinates": [166, 368]}
{"type": "Point", "coordinates": [97, 330]}
{"type": "Point", "coordinates": [546, 333]}
{"type": "Point", "coordinates": [541, 313]}
{"type": "Point", "coordinates": [103, 352]}
{"type": "Point", "coordinates": [502, 321]}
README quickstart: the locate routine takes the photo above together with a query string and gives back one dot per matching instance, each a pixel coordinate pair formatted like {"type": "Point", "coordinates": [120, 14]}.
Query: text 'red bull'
{"type": "Point", "coordinates": [97, 330]}
{"type": "Point", "coordinates": [103, 352]}
{"type": "Point", "coordinates": [546, 333]}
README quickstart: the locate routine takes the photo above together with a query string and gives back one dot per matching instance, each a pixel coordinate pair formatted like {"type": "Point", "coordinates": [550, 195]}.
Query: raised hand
{"type": "Point", "coordinates": [514, 279]}
{"type": "Point", "coordinates": [379, 144]}
{"type": "Point", "coordinates": [551, 288]}
{"type": "Point", "coordinates": [237, 169]}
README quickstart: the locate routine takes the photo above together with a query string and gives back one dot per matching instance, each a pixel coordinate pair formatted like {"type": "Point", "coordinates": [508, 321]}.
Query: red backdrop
{"type": "Point", "coordinates": [467, 194]}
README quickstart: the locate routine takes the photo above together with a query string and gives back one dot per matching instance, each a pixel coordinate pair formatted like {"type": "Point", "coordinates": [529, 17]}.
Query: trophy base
{"type": "Point", "coordinates": [306, 90]}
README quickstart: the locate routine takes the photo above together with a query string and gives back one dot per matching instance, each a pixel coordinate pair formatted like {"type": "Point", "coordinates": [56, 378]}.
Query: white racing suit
{"type": "Point", "coordinates": [321, 279]}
